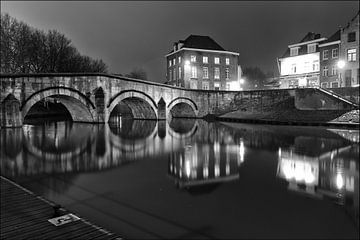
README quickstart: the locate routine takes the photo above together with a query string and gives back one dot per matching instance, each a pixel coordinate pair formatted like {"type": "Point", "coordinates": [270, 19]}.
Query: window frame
{"type": "Point", "coordinates": [192, 58]}
{"type": "Point", "coordinates": [335, 50]}
{"type": "Point", "coordinates": [327, 54]}
{"type": "Point", "coordinates": [207, 59]}
{"type": "Point", "coordinates": [194, 72]}
{"type": "Point", "coordinates": [206, 76]}
{"type": "Point", "coordinates": [216, 60]}
{"type": "Point", "coordinates": [351, 54]}
{"type": "Point", "coordinates": [216, 69]}
{"type": "Point", "coordinates": [325, 70]}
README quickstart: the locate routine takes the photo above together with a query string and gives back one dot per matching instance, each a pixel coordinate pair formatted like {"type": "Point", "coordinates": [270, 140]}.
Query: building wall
{"type": "Point", "coordinates": [329, 80]}
{"type": "Point", "coordinates": [306, 74]}
{"type": "Point", "coordinates": [197, 83]}
{"type": "Point", "coordinates": [352, 66]}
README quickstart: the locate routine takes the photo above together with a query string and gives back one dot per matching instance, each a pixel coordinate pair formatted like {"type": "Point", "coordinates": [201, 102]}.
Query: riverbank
{"type": "Point", "coordinates": [343, 118]}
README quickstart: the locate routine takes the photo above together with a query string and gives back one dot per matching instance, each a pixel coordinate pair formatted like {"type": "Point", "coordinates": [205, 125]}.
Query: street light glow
{"type": "Point", "coordinates": [242, 81]}
{"type": "Point", "coordinates": [341, 64]}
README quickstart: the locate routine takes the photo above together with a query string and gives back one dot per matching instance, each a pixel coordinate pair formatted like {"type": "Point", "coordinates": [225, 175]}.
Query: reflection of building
{"type": "Point", "coordinates": [326, 176]}
{"type": "Point", "coordinates": [198, 62]}
{"type": "Point", "coordinates": [299, 66]}
{"type": "Point", "coordinates": [202, 164]}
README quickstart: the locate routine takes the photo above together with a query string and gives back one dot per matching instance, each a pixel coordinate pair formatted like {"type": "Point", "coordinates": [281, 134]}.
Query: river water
{"type": "Point", "coordinates": [191, 178]}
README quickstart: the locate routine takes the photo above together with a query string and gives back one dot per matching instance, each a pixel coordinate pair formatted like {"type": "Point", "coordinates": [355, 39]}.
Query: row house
{"type": "Point", "coordinates": [323, 62]}
{"type": "Point", "coordinates": [198, 62]}
{"type": "Point", "coordinates": [300, 64]}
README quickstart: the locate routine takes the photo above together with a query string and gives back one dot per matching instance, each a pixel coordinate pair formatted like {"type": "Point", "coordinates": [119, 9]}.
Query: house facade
{"type": "Point", "coordinates": [349, 53]}
{"type": "Point", "coordinates": [299, 66]}
{"type": "Point", "coordinates": [329, 61]}
{"type": "Point", "coordinates": [198, 62]}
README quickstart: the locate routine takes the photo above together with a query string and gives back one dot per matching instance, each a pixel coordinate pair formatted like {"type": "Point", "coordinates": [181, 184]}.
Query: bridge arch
{"type": "Point", "coordinates": [182, 107]}
{"type": "Point", "coordinates": [79, 106]}
{"type": "Point", "coordinates": [142, 105]}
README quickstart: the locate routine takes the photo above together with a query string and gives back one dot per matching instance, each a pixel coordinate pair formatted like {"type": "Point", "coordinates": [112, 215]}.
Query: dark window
{"type": "Point", "coordinates": [351, 37]}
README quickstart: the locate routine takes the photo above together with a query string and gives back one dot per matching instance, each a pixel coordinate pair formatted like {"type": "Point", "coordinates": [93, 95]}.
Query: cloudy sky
{"type": "Point", "coordinates": [127, 34]}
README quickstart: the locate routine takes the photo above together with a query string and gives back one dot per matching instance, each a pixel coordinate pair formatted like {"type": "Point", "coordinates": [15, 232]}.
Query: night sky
{"type": "Point", "coordinates": [126, 34]}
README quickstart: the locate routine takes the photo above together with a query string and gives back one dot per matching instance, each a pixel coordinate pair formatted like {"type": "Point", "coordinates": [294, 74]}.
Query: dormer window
{"type": "Point", "coordinates": [294, 51]}
{"type": "Point", "coordinates": [311, 48]}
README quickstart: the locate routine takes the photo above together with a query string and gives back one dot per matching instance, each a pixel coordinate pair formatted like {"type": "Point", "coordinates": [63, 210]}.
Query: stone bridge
{"type": "Point", "coordinates": [92, 98]}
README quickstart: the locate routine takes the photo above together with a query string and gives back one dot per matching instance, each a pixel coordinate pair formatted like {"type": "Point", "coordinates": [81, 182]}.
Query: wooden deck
{"type": "Point", "coordinates": [25, 216]}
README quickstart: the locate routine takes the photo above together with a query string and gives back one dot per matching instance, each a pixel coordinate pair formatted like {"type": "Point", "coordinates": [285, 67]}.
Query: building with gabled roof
{"type": "Point", "coordinates": [299, 65]}
{"type": "Point", "coordinates": [199, 62]}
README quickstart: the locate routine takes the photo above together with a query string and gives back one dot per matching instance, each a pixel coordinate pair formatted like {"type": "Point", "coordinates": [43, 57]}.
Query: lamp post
{"type": "Point", "coordinates": [340, 65]}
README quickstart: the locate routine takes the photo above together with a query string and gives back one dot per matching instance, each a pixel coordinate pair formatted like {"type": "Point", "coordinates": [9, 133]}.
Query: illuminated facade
{"type": "Point", "coordinates": [198, 62]}
{"type": "Point", "coordinates": [299, 66]}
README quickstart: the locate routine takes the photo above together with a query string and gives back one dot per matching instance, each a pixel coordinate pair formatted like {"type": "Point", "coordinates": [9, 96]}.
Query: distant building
{"type": "Point", "coordinates": [349, 53]}
{"type": "Point", "coordinates": [198, 62]}
{"type": "Point", "coordinates": [329, 58]}
{"type": "Point", "coordinates": [299, 66]}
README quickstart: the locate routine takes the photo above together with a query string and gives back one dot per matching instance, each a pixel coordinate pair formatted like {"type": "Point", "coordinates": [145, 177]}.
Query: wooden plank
{"type": "Point", "coordinates": [25, 216]}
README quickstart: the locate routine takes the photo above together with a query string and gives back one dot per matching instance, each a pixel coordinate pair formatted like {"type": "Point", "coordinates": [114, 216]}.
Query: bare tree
{"type": "Point", "coordinates": [28, 50]}
{"type": "Point", "coordinates": [138, 73]}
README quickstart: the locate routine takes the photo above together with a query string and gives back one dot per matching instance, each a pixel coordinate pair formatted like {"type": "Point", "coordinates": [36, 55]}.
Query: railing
{"type": "Point", "coordinates": [337, 96]}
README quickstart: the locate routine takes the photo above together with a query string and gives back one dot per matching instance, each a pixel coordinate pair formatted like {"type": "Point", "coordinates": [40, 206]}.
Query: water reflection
{"type": "Point", "coordinates": [200, 156]}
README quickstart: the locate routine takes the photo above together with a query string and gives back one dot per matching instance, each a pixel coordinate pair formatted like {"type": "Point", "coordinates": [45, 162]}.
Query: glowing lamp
{"type": "Point", "coordinates": [242, 81]}
{"type": "Point", "coordinates": [341, 64]}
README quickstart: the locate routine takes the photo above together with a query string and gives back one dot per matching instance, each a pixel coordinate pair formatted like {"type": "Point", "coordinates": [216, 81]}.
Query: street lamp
{"type": "Point", "coordinates": [341, 65]}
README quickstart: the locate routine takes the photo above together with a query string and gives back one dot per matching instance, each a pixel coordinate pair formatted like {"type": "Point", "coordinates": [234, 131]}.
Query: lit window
{"type": "Point", "coordinates": [179, 72]}
{"type": "Point", "coordinates": [217, 73]}
{"type": "Point", "coordinates": [334, 70]}
{"type": "Point", "coordinates": [293, 68]}
{"type": "Point", "coordinates": [334, 84]}
{"type": "Point", "coordinates": [179, 59]}
{"type": "Point", "coordinates": [325, 54]}
{"type": "Point", "coordinates": [217, 86]}
{"type": "Point", "coordinates": [316, 65]}
{"type": "Point", "coordinates": [228, 86]}
{"type": "Point", "coordinates": [205, 85]}
{"type": "Point", "coordinates": [307, 66]}
{"type": "Point", "coordinates": [227, 60]}
{"type": "Point", "coordinates": [205, 59]}
{"type": "Point", "coordinates": [311, 48]}
{"type": "Point", "coordinates": [335, 53]}
{"type": "Point", "coordinates": [174, 61]}
{"type": "Point", "coordinates": [193, 72]}
{"type": "Point", "coordinates": [205, 72]}
{"type": "Point", "coordinates": [325, 71]}
{"type": "Point", "coordinates": [294, 51]}
{"type": "Point", "coordinates": [169, 63]}
{"type": "Point", "coordinates": [324, 85]}
{"type": "Point", "coordinates": [351, 55]}
{"type": "Point", "coordinates": [227, 73]}
{"type": "Point", "coordinates": [217, 60]}
{"type": "Point", "coordinates": [193, 58]}
{"type": "Point", "coordinates": [351, 37]}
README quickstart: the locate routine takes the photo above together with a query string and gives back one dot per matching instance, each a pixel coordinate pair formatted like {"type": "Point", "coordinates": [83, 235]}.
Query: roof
{"type": "Point", "coordinates": [310, 36]}
{"type": "Point", "coordinates": [200, 42]}
{"type": "Point", "coordinates": [335, 37]}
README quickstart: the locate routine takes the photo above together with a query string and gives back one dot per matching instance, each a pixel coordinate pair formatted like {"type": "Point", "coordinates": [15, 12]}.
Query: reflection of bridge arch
{"type": "Point", "coordinates": [141, 104]}
{"type": "Point", "coordinates": [132, 145]}
{"type": "Point", "coordinates": [186, 102]}
{"type": "Point", "coordinates": [188, 134]}
{"type": "Point", "coordinates": [75, 102]}
{"type": "Point", "coordinates": [50, 156]}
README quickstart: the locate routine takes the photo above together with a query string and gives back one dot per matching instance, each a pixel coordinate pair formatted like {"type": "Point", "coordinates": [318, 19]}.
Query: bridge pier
{"type": "Point", "coordinates": [10, 114]}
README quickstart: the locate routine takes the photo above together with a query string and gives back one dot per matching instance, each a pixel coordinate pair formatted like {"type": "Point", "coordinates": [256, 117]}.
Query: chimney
{"type": "Point", "coordinates": [175, 46]}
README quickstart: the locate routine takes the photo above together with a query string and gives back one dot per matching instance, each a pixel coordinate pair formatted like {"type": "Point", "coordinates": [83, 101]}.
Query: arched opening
{"type": "Point", "coordinates": [47, 109]}
{"type": "Point", "coordinates": [132, 107]}
{"type": "Point", "coordinates": [62, 107]}
{"type": "Point", "coordinates": [182, 110]}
